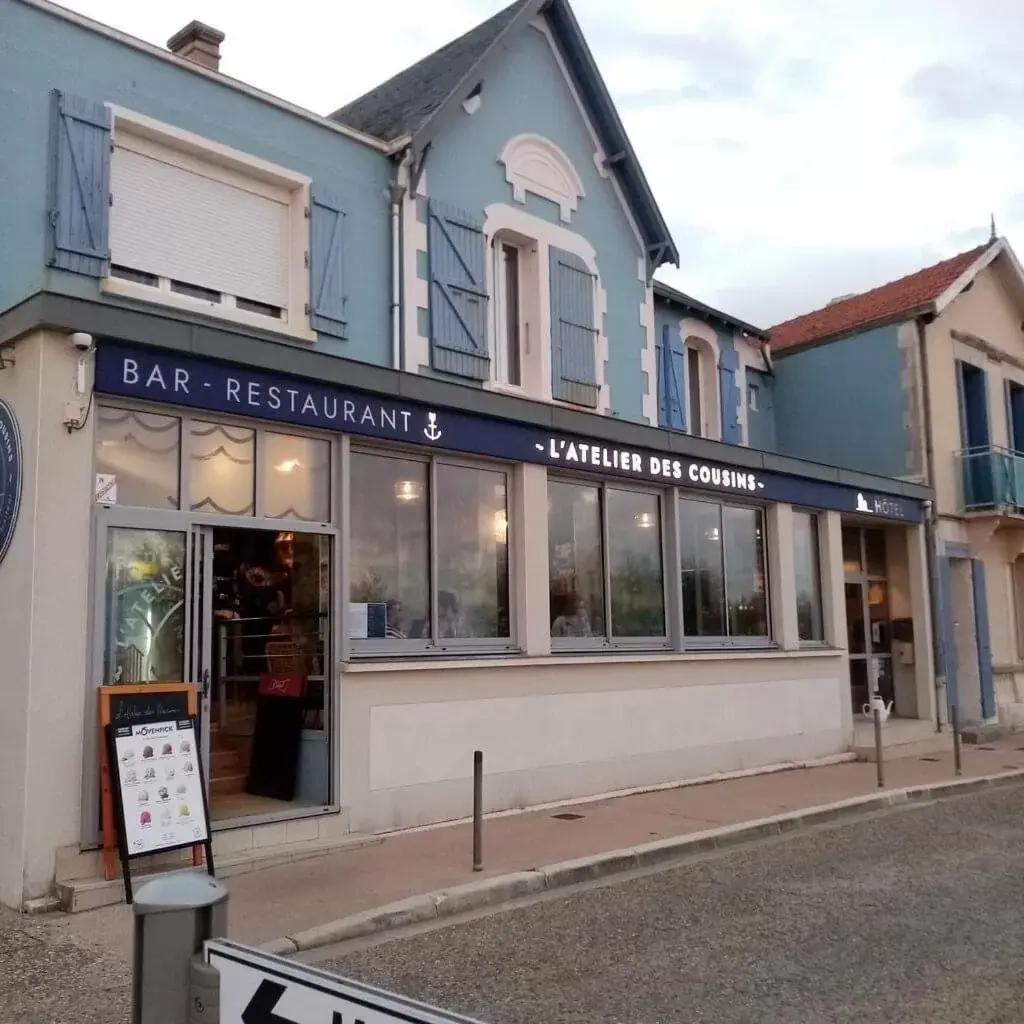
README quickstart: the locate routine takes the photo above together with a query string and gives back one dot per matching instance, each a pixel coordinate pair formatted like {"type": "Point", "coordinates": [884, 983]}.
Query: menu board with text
{"type": "Point", "coordinates": [158, 778]}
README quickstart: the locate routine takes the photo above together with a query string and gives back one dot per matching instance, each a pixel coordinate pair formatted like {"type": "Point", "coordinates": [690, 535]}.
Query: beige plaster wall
{"type": "Point", "coordinates": [19, 387]}
{"type": "Point", "coordinates": [554, 729]}
{"type": "Point", "coordinates": [44, 591]}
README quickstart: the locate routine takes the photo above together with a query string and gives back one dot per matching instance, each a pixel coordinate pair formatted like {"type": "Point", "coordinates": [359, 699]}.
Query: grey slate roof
{"type": "Point", "coordinates": [669, 294]}
{"type": "Point", "coordinates": [404, 103]}
{"type": "Point", "coordinates": [413, 104]}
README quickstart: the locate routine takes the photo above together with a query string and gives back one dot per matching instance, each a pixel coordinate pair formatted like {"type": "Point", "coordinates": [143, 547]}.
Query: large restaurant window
{"type": "Point", "coordinates": [229, 469]}
{"type": "Point", "coordinates": [428, 544]}
{"type": "Point", "coordinates": [605, 565]}
{"type": "Point", "coordinates": [138, 457]}
{"type": "Point", "coordinates": [722, 564]}
{"type": "Point", "coordinates": [807, 569]}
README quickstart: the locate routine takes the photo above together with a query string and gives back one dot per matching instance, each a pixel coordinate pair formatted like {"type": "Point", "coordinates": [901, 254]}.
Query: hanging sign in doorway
{"type": "Point", "coordinates": [10, 476]}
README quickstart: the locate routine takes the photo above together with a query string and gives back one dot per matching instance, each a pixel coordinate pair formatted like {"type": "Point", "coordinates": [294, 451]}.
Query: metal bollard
{"type": "Point", "coordinates": [478, 810]}
{"type": "Point", "coordinates": [174, 916]}
{"type": "Point", "coordinates": [954, 718]}
{"type": "Point", "coordinates": [878, 748]}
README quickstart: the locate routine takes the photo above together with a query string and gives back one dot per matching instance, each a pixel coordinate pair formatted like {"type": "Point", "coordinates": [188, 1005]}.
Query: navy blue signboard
{"type": "Point", "coordinates": [211, 386]}
{"type": "Point", "coordinates": [10, 476]}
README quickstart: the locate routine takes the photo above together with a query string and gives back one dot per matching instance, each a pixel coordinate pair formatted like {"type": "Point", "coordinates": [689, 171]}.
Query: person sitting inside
{"type": "Point", "coordinates": [449, 621]}
{"type": "Point", "coordinates": [577, 623]}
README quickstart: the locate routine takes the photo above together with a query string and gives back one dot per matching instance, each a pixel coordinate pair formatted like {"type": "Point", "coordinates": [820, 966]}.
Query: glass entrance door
{"type": "Point", "coordinates": [868, 619]}
{"type": "Point", "coordinates": [141, 621]}
{"type": "Point", "coordinates": [266, 653]}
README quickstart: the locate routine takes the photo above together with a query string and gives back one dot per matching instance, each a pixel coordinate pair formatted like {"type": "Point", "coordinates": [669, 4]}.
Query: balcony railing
{"type": "Point", "coordinates": [991, 479]}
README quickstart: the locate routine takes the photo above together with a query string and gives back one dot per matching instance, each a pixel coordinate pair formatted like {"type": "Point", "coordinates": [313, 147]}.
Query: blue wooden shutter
{"type": "Point", "coordinates": [327, 297]}
{"type": "Point", "coordinates": [671, 407]}
{"type": "Point", "coordinates": [79, 187]}
{"type": "Point", "coordinates": [981, 633]}
{"type": "Point", "coordinates": [660, 347]}
{"type": "Point", "coordinates": [456, 251]}
{"type": "Point", "coordinates": [573, 331]}
{"type": "Point", "coordinates": [730, 396]}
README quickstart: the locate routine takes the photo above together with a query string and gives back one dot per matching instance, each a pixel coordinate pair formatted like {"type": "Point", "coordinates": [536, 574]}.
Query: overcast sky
{"type": "Point", "coordinates": [799, 149]}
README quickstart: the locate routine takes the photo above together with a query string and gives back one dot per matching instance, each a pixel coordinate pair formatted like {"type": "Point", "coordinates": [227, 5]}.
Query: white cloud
{"type": "Point", "coordinates": [796, 150]}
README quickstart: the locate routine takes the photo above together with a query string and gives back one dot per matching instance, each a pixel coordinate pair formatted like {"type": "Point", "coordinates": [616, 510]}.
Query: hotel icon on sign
{"type": "Point", "coordinates": [862, 504]}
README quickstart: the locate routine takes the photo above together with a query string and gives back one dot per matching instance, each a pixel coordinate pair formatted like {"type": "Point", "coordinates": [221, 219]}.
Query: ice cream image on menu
{"type": "Point", "coordinates": [143, 796]}
{"type": "Point", "coordinates": [150, 773]}
{"type": "Point", "coordinates": [163, 794]}
{"type": "Point", "coordinates": [128, 757]}
{"type": "Point", "coordinates": [147, 753]}
{"type": "Point", "coordinates": [170, 772]}
{"type": "Point", "coordinates": [183, 811]}
{"type": "Point", "coordinates": [189, 769]}
{"type": "Point", "coordinates": [186, 747]}
{"type": "Point", "coordinates": [182, 789]}
{"type": "Point", "coordinates": [130, 778]}
{"type": "Point", "coordinates": [165, 818]}
{"type": "Point", "coordinates": [145, 819]}
{"type": "Point", "coordinates": [167, 750]}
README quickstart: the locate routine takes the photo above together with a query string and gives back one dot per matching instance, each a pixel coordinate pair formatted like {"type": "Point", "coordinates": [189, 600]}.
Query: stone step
{"type": "Point", "coordinates": [83, 894]}
{"type": "Point", "coordinates": [224, 785]}
{"type": "Point", "coordinates": [938, 743]}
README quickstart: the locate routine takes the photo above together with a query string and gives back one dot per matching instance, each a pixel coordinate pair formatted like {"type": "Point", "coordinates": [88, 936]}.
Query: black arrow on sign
{"type": "Point", "coordinates": [261, 1007]}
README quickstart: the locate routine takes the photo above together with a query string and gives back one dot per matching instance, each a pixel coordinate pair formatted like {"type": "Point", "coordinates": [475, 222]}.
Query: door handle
{"type": "Point", "coordinates": [206, 683]}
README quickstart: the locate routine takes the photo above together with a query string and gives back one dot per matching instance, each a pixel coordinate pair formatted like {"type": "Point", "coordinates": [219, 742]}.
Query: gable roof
{"type": "Point", "coordinates": [411, 108]}
{"type": "Point", "coordinates": [672, 295]}
{"type": "Point", "coordinates": [924, 291]}
{"type": "Point", "coordinates": [405, 102]}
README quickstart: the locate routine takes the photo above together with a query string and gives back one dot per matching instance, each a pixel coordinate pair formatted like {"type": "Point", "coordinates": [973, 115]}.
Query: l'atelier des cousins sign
{"type": "Point", "coordinates": [221, 387]}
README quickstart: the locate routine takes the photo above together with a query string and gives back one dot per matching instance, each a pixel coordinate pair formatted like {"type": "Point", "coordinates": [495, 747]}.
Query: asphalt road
{"type": "Point", "coordinates": [45, 978]}
{"type": "Point", "coordinates": [912, 917]}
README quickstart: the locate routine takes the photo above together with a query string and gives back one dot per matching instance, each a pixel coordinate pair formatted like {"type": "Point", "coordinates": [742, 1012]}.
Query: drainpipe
{"type": "Point", "coordinates": [930, 525]}
{"type": "Point", "coordinates": [397, 195]}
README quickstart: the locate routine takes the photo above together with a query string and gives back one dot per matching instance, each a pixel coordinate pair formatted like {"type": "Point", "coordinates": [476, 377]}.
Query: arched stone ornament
{"type": "Point", "coordinates": [10, 476]}
{"type": "Point", "coordinates": [535, 164]}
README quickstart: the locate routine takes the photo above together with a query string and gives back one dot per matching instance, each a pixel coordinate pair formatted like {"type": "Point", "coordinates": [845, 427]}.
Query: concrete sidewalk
{"type": "Point", "coordinates": [280, 901]}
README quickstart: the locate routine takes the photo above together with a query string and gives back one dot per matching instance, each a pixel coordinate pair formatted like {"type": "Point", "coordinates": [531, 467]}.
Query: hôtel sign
{"type": "Point", "coordinates": [212, 386]}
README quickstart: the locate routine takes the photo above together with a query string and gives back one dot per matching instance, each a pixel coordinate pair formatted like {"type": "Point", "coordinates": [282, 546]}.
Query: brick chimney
{"type": "Point", "coordinates": [198, 43]}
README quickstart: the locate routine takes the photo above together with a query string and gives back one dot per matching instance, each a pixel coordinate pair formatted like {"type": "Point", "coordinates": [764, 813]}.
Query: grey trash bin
{"type": "Point", "coordinates": [174, 916]}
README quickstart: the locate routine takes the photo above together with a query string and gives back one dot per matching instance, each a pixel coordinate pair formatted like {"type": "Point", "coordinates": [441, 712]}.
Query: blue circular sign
{"type": "Point", "coordinates": [10, 476]}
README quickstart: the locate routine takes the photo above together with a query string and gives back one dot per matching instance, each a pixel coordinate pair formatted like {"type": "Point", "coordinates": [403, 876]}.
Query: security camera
{"type": "Point", "coordinates": [81, 341]}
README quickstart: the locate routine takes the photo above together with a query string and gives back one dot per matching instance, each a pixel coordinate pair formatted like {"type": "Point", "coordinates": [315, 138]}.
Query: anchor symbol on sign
{"type": "Point", "coordinates": [432, 432]}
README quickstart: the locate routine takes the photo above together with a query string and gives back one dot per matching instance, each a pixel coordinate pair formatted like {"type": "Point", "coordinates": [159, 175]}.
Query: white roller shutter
{"type": "Point", "coordinates": [179, 219]}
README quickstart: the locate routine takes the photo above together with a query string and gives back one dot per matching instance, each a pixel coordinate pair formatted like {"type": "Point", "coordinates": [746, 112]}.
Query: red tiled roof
{"type": "Point", "coordinates": [880, 304]}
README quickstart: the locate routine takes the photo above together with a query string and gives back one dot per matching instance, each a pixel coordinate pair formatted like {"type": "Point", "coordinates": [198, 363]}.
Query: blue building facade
{"type": "Point", "coordinates": [375, 435]}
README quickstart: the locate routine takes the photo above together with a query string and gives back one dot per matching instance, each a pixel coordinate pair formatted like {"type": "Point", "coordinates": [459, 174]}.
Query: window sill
{"type": "Point", "coordinates": [157, 297]}
{"type": "Point", "coordinates": [516, 390]}
{"type": "Point", "coordinates": [475, 661]}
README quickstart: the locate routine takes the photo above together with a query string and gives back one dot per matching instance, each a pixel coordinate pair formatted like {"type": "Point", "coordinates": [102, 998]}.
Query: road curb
{"type": "Point", "coordinates": [504, 888]}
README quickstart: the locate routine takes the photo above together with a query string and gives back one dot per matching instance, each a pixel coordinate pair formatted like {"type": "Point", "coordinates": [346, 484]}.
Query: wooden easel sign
{"type": "Point", "coordinates": [129, 706]}
{"type": "Point", "coordinates": [159, 790]}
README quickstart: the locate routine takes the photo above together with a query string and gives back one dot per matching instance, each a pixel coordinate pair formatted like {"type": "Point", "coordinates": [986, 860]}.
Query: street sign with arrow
{"type": "Point", "coordinates": [258, 988]}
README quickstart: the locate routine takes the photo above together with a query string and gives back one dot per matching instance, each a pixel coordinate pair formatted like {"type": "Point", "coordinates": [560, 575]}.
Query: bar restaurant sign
{"type": "Point", "coordinates": [212, 386]}
{"type": "Point", "coordinates": [10, 476]}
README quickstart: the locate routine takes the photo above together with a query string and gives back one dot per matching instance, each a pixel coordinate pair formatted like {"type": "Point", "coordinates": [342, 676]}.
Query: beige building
{"type": "Point", "coordinates": [924, 378]}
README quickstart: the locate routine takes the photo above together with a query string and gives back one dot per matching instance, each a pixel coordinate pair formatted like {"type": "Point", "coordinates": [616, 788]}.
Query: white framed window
{"type": "Point", "coordinates": [509, 322]}
{"type": "Point", "coordinates": [200, 226]}
{"type": "Point", "coordinates": [694, 392]}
